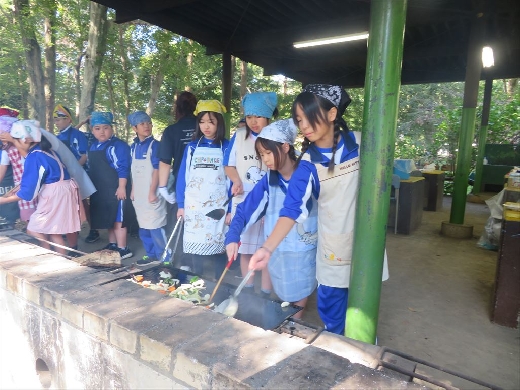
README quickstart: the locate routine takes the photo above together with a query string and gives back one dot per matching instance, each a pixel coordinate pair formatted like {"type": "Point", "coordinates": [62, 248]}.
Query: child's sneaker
{"type": "Point", "coordinates": [93, 236]}
{"type": "Point", "coordinates": [125, 253]}
{"type": "Point", "coordinates": [112, 246]}
{"type": "Point", "coordinates": [145, 260]}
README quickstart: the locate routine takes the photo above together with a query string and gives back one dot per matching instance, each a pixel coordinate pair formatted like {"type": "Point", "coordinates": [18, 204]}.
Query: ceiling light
{"type": "Point", "coordinates": [487, 57]}
{"type": "Point", "coordinates": [328, 41]}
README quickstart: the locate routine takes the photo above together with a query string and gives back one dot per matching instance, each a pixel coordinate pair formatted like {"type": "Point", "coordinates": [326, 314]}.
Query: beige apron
{"type": "Point", "coordinates": [338, 196]}
{"type": "Point", "coordinates": [149, 215]}
{"type": "Point", "coordinates": [250, 170]}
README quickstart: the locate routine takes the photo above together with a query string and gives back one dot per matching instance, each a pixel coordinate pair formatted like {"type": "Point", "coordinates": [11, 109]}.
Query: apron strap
{"type": "Point", "coordinates": [55, 157]}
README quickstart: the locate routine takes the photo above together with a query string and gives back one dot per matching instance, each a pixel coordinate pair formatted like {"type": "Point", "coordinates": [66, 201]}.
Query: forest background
{"type": "Point", "coordinates": [71, 52]}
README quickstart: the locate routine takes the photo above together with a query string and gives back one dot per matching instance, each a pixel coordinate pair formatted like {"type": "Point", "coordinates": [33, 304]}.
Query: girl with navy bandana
{"type": "Point", "coordinates": [293, 265]}
{"type": "Point", "coordinates": [244, 168]}
{"type": "Point", "coordinates": [202, 187]}
{"type": "Point", "coordinates": [109, 161]}
{"type": "Point", "coordinates": [328, 169]}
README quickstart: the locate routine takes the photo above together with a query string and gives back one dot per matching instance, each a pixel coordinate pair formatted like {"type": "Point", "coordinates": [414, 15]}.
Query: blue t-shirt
{"type": "Point", "coordinates": [118, 155]}
{"type": "Point", "coordinates": [141, 148]}
{"type": "Point", "coordinates": [305, 182]}
{"type": "Point", "coordinates": [39, 169]}
{"type": "Point", "coordinates": [190, 148]}
{"type": "Point", "coordinates": [75, 140]}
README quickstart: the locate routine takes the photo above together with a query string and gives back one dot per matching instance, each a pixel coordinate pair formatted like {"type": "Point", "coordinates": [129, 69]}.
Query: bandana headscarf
{"type": "Point", "coordinates": [209, 105]}
{"type": "Point", "coordinates": [27, 129]}
{"type": "Point", "coordinates": [280, 131]}
{"type": "Point", "coordinates": [333, 93]}
{"type": "Point", "coordinates": [260, 104]}
{"type": "Point", "coordinates": [6, 122]}
{"type": "Point", "coordinates": [4, 111]}
{"type": "Point", "coordinates": [138, 117]}
{"type": "Point", "coordinates": [61, 111]}
{"type": "Point", "coordinates": [101, 118]}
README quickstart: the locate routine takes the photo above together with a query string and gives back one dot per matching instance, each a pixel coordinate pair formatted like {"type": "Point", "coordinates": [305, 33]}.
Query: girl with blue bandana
{"type": "Point", "coordinates": [109, 161]}
{"type": "Point", "coordinates": [202, 187]}
{"type": "Point", "coordinates": [150, 207]}
{"type": "Point", "coordinates": [244, 168]}
{"type": "Point", "coordinates": [328, 170]}
{"type": "Point", "coordinates": [293, 265]}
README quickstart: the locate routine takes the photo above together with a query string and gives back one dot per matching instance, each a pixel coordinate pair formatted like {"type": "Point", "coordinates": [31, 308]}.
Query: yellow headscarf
{"type": "Point", "coordinates": [61, 111]}
{"type": "Point", "coordinates": [209, 105]}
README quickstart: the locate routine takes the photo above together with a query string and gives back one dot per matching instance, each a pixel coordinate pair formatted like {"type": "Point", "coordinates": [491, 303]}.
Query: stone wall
{"type": "Point", "coordinates": [67, 326]}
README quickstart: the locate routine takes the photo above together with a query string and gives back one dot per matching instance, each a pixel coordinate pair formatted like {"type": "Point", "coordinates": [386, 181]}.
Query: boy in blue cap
{"type": "Point", "coordinates": [109, 161]}
{"type": "Point", "coordinates": [150, 207]}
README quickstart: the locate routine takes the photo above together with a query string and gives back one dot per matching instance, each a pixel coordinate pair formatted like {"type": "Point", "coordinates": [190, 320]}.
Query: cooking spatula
{"type": "Point", "coordinates": [217, 214]}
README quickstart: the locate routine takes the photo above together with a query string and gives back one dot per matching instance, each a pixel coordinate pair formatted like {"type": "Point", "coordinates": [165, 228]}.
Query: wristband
{"type": "Point", "coordinates": [266, 249]}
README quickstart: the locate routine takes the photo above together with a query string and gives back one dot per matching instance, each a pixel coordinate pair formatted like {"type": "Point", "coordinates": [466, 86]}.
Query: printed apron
{"type": "Point", "coordinates": [149, 215]}
{"type": "Point", "coordinates": [9, 211]}
{"type": "Point", "coordinates": [335, 235]}
{"type": "Point", "coordinates": [250, 170]}
{"type": "Point", "coordinates": [205, 191]}
{"type": "Point", "coordinates": [292, 266]}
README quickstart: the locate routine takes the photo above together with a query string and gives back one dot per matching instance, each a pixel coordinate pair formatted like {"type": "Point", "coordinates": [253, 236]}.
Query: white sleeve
{"type": "Point", "coordinates": [4, 158]}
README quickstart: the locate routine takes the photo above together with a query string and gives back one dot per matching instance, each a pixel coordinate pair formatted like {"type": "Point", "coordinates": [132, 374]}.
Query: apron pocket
{"type": "Point", "coordinates": [336, 249]}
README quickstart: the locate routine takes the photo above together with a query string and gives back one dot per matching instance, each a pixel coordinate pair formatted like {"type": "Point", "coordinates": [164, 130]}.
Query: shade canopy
{"type": "Point", "coordinates": [263, 32]}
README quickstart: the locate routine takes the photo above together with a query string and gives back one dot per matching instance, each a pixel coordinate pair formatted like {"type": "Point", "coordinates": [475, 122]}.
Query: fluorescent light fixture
{"type": "Point", "coordinates": [328, 41]}
{"type": "Point", "coordinates": [487, 57]}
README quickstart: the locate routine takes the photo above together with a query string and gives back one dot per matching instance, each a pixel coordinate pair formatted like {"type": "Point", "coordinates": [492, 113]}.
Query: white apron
{"type": "Point", "coordinates": [338, 196]}
{"type": "Point", "coordinates": [149, 215]}
{"type": "Point", "coordinates": [205, 191]}
{"type": "Point", "coordinates": [250, 170]}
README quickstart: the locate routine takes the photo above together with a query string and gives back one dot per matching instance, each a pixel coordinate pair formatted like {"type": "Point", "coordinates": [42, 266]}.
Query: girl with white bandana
{"type": "Point", "coordinates": [45, 177]}
{"type": "Point", "coordinates": [293, 264]}
{"type": "Point", "coordinates": [244, 168]}
{"type": "Point", "coordinates": [329, 171]}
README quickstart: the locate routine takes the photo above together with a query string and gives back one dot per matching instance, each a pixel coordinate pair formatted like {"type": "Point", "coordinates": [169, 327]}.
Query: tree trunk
{"type": "Point", "coordinates": [110, 87]}
{"type": "Point", "coordinates": [77, 80]}
{"type": "Point", "coordinates": [125, 75]}
{"type": "Point", "coordinates": [50, 62]}
{"type": "Point", "coordinates": [97, 37]}
{"type": "Point", "coordinates": [36, 98]}
{"type": "Point", "coordinates": [243, 83]}
{"type": "Point", "coordinates": [510, 86]}
{"type": "Point", "coordinates": [155, 87]}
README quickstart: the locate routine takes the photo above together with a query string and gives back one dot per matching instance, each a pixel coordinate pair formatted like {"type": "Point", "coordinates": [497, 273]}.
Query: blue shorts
{"type": "Point", "coordinates": [332, 307]}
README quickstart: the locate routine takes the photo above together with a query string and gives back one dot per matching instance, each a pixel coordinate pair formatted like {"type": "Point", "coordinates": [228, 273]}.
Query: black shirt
{"type": "Point", "coordinates": [174, 140]}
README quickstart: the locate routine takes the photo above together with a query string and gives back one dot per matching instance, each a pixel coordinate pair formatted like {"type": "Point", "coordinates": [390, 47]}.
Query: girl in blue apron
{"type": "Point", "coordinates": [293, 264]}
{"type": "Point", "coordinates": [244, 168]}
{"type": "Point", "coordinates": [328, 169]}
{"type": "Point", "coordinates": [202, 187]}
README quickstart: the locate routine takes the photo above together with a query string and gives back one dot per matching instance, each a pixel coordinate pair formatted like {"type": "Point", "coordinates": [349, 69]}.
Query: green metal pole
{"type": "Point", "coordinates": [486, 105]}
{"type": "Point", "coordinates": [467, 126]}
{"type": "Point", "coordinates": [382, 84]}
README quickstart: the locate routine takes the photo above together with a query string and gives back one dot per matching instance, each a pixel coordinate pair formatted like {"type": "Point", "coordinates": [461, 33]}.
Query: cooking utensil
{"type": "Point", "coordinates": [103, 258]}
{"type": "Point", "coordinates": [230, 306]}
{"type": "Point", "coordinates": [177, 225]}
{"type": "Point", "coordinates": [228, 266]}
{"type": "Point", "coordinates": [217, 214]}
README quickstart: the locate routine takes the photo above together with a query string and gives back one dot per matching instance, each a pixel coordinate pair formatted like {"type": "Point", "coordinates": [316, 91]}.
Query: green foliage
{"type": "Point", "coordinates": [137, 53]}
